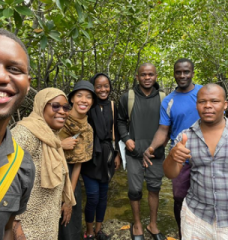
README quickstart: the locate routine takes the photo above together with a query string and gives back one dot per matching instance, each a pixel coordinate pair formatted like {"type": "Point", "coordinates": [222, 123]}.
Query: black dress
{"type": "Point", "coordinates": [102, 166]}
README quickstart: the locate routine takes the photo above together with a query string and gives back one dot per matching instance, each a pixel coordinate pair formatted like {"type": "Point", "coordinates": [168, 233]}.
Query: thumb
{"type": "Point", "coordinates": [184, 139]}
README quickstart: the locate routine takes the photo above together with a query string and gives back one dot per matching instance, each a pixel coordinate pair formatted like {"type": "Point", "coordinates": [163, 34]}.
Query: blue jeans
{"type": "Point", "coordinates": [96, 193]}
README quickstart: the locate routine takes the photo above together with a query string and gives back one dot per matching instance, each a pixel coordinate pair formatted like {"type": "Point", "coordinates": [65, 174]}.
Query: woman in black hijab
{"type": "Point", "coordinates": [98, 172]}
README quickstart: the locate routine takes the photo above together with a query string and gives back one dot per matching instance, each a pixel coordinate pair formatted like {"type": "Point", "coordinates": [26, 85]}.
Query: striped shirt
{"type": "Point", "coordinates": [207, 196]}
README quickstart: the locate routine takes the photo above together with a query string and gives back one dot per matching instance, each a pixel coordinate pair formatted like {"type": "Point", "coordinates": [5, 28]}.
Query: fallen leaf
{"type": "Point", "coordinates": [125, 227]}
{"type": "Point", "coordinates": [38, 30]}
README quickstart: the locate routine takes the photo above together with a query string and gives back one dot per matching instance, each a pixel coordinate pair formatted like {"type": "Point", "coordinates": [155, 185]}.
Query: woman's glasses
{"type": "Point", "coordinates": [56, 107]}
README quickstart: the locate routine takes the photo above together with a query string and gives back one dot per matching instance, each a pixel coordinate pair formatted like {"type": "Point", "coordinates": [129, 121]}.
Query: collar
{"type": "Point", "coordinates": [196, 128]}
{"type": "Point", "coordinates": [6, 148]}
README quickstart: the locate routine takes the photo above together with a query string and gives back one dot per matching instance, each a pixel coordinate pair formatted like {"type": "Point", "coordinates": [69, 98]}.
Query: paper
{"type": "Point", "coordinates": [123, 153]}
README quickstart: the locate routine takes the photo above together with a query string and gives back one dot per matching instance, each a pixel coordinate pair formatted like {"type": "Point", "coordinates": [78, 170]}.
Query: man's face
{"type": "Point", "coordinates": [147, 76]}
{"type": "Point", "coordinates": [183, 75]}
{"type": "Point", "coordinates": [211, 104]}
{"type": "Point", "coordinates": [14, 78]}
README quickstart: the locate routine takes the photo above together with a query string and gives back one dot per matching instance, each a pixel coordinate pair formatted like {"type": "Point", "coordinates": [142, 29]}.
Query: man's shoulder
{"type": "Point", "coordinates": [168, 98]}
{"type": "Point", "coordinates": [26, 171]}
{"type": "Point", "coordinates": [195, 127]}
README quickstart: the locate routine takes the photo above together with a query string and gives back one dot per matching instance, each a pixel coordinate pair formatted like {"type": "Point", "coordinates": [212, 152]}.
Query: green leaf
{"type": "Point", "coordinates": [2, 3]}
{"type": "Point", "coordinates": [1, 12]}
{"type": "Point", "coordinates": [68, 63]}
{"type": "Point", "coordinates": [54, 35]}
{"type": "Point", "coordinates": [9, 1]}
{"type": "Point", "coordinates": [42, 24]}
{"type": "Point", "coordinates": [73, 75]}
{"type": "Point", "coordinates": [17, 19]}
{"type": "Point", "coordinates": [86, 34]}
{"type": "Point", "coordinates": [90, 23]}
{"type": "Point", "coordinates": [24, 11]}
{"type": "Point", "coordinates": [7, 12]}
{"type": "Point", "coordinates": [43, 42]}
{"type": "Point", "coordinates": [46, 1]}
{"type": "Point", "coordinates": [74, 33]}
{"type": "Point", "coordinates": [60, 4]}
{"type": "Point", "coordinates": [18, 1]}
{"type": "Point", "coordinates": [50, 25]}
{"type": "Point", "coordinates": [79, 12]}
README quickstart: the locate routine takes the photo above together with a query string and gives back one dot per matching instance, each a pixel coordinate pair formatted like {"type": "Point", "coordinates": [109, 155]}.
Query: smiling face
{"type": "Point", "coordinates": [183, 75]}
{"type": "Point", "coordinates": [211, 104]}
{"type": "Point", "coordinates": [102, 87]}
{"type": "Point", "coordinates": [14, 77]}
{"type": "Point", "coordinates": [82, 101]}
{"type": "Point", "coordinates": [147, 76]}
{"type": "Point", "coordinates": [55, 120]}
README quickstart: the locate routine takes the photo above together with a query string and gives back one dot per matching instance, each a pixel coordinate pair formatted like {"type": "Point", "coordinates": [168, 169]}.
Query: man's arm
{"type": "Point", "coordinates": [9, 229]}
{"type": "Point", "coordinates": [177, 156]}
{"type": "Point", "coordinates": [123, 123]}
{"type": "Point", "coordinates": [159, 139]}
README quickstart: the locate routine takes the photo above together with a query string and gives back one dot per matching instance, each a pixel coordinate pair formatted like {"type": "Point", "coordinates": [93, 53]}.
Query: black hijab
{"type": "Point", "coordinates": [101, 117]}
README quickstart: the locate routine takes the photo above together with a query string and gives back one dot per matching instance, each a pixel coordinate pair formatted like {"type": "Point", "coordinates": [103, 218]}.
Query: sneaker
{"type": "Point", "coordinates": [88, 237]}
{"type": "Point", "coordinates": [102, 236]}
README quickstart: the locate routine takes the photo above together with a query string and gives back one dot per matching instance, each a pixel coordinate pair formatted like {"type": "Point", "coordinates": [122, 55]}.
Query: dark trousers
{"type": "Point", "coordinates": [177, 213]}
{"type": "Point", "coordinates": [96, 202]}
{"type": "Point", "coordinates": [181, 185]}
{"type": "Point", "coordinates": [72, 231]}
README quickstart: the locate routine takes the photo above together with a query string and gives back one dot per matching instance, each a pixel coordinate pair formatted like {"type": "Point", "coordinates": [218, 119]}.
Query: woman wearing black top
{"type": "Point", "coordinates": [99, 171]}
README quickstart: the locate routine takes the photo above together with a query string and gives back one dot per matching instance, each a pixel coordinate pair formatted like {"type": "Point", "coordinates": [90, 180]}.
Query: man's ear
{"type": "Point", "coordinates": [137, 77]}
{"type": "Point", "coordinates": [225, 105]}
{"type": "Point", "coordinates": [29, 79]}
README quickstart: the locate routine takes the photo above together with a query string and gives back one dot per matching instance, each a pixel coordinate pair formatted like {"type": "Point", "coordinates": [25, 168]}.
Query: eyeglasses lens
{"type": "Point", "coordinates": [56, 107]}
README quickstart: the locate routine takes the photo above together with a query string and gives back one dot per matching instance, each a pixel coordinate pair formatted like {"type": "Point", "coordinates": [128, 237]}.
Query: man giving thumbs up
{"type": "Point", "coordinates": [205, 144]}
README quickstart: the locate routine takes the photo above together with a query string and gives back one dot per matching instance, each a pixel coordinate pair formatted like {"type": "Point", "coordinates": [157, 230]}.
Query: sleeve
{"type": "Point", "coordinates": [178, 139]}
{"type": "Point", "coordinates": [123, 118]}
{"type": "Point", "coordinates": [164, 117]}
{"type": "Point", "coordinates": [28, 179]}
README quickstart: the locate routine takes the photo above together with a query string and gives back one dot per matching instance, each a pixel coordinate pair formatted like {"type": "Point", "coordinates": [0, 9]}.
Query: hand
{"type": "Point", "coordinates": [147, 155]}
{"type": "Point", "coordinates": [130, 145]}
{"type": "Point", "coordinates": [180, 153]}
{"type": "Point", "coordinates": [117, 161]}
{"type": "Point", "coordinates": [66, 211]}
{"type": "Point", "coordinates": [69, 143]}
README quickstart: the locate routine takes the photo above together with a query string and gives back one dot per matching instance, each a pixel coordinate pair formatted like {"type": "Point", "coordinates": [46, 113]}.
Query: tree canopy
{"type": "Point", "coordinates": [70, 40]}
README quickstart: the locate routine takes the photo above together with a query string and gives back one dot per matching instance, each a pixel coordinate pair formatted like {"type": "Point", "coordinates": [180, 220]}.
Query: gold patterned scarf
{"type": "Point", "coordinates": [83, 150]}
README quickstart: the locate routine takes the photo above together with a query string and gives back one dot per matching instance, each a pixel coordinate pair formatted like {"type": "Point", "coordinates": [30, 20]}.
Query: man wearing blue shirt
{"type": "Point", "coordinates": [178, 112]}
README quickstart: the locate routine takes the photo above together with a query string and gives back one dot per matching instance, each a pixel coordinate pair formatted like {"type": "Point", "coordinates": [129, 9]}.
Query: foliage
{"type": "Point", "coordinates": [69, 40]}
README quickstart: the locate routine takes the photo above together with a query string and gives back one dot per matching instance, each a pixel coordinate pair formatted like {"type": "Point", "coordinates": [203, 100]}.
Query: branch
{"type": "Point", "coordinates": [141, 48]}
{"type": "Point", "coordinates": [114, 46]}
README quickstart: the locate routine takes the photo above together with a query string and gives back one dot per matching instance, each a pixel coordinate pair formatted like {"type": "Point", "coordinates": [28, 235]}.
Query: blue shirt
{"type": "Point", "coordinates": [178, 110]}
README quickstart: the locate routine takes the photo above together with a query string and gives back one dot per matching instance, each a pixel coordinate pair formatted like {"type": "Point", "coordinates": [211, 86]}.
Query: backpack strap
{"type": "Point", "coordinates": [162, 96]}
{"type": "Point", "coordinates": [113, 130]}
{"type": "Point", "coordinates": [131, 100]}
{"type": "Point", "coordinates": [9, 170]}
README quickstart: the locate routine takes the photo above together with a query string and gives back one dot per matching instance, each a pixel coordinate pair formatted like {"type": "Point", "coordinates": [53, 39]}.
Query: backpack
{"type": "Point", "coordinates": [131, 100]}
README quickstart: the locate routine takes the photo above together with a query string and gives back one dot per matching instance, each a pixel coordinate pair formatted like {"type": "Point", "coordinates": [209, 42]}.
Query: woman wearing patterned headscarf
{"type": "Point", "coordinates": [38, 134]}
